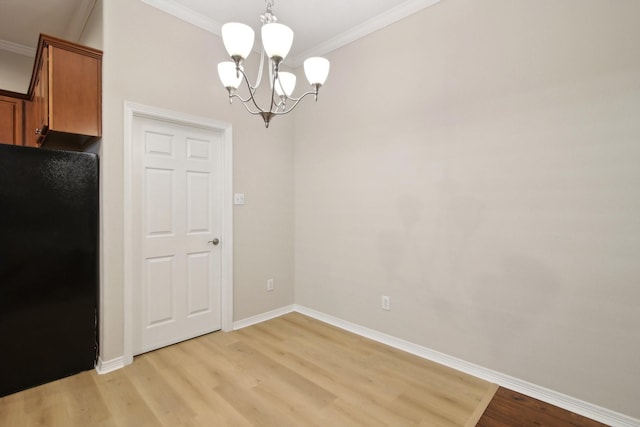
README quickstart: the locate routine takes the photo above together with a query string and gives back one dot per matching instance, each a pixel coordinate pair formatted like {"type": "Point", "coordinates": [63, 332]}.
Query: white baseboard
{"type": "Point", "coordinates": [263, 317]}
{"type": "Point", "coordinates": [603, 415]}
{"type": "Point", "coordinates": [104, 367]}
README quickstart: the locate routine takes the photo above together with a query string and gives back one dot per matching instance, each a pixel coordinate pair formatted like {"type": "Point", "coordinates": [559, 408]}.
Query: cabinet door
{"type": "Point", "coordinates": [64, 109]}
{"type": "Point", "coordinates": [40, 103]}
{"type": "Point", "coordinates": [36, 122]}
{"type": "Point", "coordinates": [42, 94]}
{"type": "Point", "coordinates": [31, 123]}
{"type": "Point", "coordinates": [74, 92]}
{"type": "Point", "coordinates": [11, 120]}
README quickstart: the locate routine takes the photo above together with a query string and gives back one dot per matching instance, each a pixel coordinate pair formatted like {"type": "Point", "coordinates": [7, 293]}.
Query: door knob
{"type": "Point", "coordinates": [214, 242]}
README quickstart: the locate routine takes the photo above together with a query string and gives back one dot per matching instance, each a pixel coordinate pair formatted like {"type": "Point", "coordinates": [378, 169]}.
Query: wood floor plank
{"type": "Point", "coordinates": [44, 406]}
{"type": "Point", "coordinates": [83, 400]}
{"type": "Point", "coordinates": [289, 371]}
{"type": "Point", "coordinates": [257, 411]}
{"type": "Point", "coordinates": [125, 403]}
{"type": "Point", "coordinates": [12, 410]}
{"type": "Point", "coordinates": [393, 401]}
{"type": "Point", "coordinates": [163, 399]}
{"type": "Point", "coordinates": [511, 409]}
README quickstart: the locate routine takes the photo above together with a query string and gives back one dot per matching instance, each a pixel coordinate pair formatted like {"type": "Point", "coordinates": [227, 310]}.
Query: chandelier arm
{"type": "Point", "coordinates": [252, 91]}
{"type": "Point", "coordinates": [279, 83]}
{"type": "Point", "coordinates": [296, 101]}
{"type": "Point", "coordinates": [246, 107]}
{"type": "Point", "coordinates": [280, 104]}
{"type": "Point", "coordinates": [315, 90]}
{"type": "Point", "coordinates": [259, 78]}
{"type": "Point", "coordinates": [235, 95]}
{"type": "Point", "coordinates": [291, 98]}
{"type": "Point", "coordinates": [274, 77]}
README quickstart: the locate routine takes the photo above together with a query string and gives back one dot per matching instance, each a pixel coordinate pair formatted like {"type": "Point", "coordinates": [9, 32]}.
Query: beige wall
{"type": "Point", "coordinates": [478, 163]}
{"type": "Point", "coordinates": [92, 33]}
{"type": "Point", "coordinates": [155, 59]}
{"type": "Point", "coordinates": [15, 71]}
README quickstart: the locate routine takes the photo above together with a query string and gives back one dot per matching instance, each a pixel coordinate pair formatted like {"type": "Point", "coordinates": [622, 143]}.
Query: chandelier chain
{"type": "Point", "coordinates": [268, 17]}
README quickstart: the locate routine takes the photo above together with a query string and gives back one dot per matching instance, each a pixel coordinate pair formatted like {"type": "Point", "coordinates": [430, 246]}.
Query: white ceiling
{"type": "Point", "coordinates": [21, 22]}
{"type": "Point", "coordinates": [319, 25]}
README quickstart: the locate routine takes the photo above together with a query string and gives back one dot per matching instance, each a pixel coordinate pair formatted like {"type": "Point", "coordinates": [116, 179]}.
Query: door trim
{"type": "Point", "coordinates": [132, 110]}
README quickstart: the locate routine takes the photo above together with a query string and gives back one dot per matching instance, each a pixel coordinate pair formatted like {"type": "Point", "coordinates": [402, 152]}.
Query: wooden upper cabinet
{"type": "Point", "coordinates": [66, 95]}
{"type": "Point", "coordinates": [11, 121]}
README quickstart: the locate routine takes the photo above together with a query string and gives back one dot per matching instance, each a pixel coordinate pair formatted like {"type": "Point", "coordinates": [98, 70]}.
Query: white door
{"type": "Point", "coordinates": [177, 206]}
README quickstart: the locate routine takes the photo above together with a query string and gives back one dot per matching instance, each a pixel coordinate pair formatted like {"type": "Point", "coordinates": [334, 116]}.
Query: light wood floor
{"type": "Point", "coordinates": [289, 371]}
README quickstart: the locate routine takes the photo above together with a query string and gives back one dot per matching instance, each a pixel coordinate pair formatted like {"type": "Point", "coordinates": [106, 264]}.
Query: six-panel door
{"type": "Point", "coordinates": [177, 211]}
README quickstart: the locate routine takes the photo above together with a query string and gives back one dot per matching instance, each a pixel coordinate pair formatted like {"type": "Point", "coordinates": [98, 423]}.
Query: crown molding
{"type": "Point", "coordinates": [18, 48]}
{"type": "Point", "coordinates": [374, 24]}
{"type": "Point", "coordinates": [407, 8]}
{"type": "Point", "coordinates": [181, 12]}
{"type": "Point", "coordinates": [79, 20]}
{"type": "Point", "coordinates": [74, 30]}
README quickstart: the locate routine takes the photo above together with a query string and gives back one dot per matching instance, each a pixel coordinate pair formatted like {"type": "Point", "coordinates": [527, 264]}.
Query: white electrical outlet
{"type": "Point", "coordinates": [386, 303]}
{"type": "Point", "coordinates": [270, 284]}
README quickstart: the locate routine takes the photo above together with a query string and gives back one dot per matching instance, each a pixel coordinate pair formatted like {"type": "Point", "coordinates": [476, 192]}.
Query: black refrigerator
{"type": "Point", "coordinates": [48, 265]}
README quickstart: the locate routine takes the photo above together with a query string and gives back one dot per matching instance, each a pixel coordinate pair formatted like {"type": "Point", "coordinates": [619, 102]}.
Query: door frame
{"type": "Point", "coordinates": [132, 110]}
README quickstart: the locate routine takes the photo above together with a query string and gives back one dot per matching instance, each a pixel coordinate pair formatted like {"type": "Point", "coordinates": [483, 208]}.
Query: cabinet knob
{"type": "Point", "coordinates": [38, 131]}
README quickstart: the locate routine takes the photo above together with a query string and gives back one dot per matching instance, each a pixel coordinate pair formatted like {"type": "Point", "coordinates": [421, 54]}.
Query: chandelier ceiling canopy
{"type": "Point", "coordinates": [277, 40]}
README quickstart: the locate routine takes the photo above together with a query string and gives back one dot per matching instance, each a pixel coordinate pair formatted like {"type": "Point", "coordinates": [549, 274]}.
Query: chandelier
{"type": "Point", "coordinates": [276, 42]}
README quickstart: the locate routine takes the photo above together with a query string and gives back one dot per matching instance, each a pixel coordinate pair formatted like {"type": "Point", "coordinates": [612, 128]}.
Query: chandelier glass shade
{"type": "Point", "coordinates": [277, 40]}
